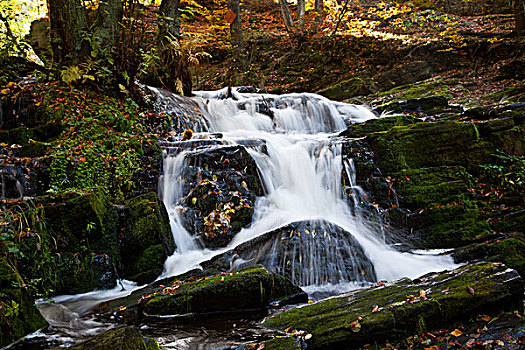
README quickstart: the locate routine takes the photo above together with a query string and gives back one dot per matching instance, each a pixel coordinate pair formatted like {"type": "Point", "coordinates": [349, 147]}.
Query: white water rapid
{"type": "Point", "coordinates": [300, 168]}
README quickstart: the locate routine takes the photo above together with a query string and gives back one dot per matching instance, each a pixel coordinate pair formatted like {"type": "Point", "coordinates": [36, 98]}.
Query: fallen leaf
{"type": "Point", "coordinates": [308, 336]}
{"type": "Point", "coordinates": [484, 318]}
{"type": "Point", "coordinates": [471, 290]}
{"type": "Point", "coordinates": [375, 309]}
{"type": "Point", "coordinates": [456, 332]}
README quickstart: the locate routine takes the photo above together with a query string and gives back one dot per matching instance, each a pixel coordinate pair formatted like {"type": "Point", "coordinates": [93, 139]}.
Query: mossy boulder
{"type": "Point", "coordinates": [122, 338]}
{"type": "Point", "coordinates": [429, 145]}
{"type": "Point", "coordinates": [376, 125]}
{"type": "Point", "coordinates": [18, 313]}
{"type": "Point", "coordinates": [391, 311]}
{"type": "Point", "coordinates": [508, 249]}
{"type": "Point", "coordinates": [79, 242]}
{"type": "Point", "coordinates": [356, 86]}
{"type": "Point", "coordinates": [146, 238]}
{"type": "Point", "coordinates": [253, 287]}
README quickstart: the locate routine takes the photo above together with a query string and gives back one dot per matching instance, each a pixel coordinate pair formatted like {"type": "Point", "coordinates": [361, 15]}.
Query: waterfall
{"type": "Point", "coordinates": [300, 167]}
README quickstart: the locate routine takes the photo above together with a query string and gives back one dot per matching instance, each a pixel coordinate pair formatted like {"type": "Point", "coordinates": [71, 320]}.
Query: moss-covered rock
{"type": "Point", "coordinates": [122, 338]}
{"type": "Point", "coordinates": [18, 313]}
{"type": "Point", "coordinates": [395, 310]}
{"type": "Point", "coordinates": [509, 249]}
{"type": "Point", "coordinates": [250, 288]}
{"type": "Point", "coordinates": [146, 238]}
{"type": "Point", "coordinates": [352, 87]}
{"type": "Point", "coordinates": [208, 291]}
{"type": "Point", "coordinates": [429, 145]}
{"type": "Point", "coordinates": [80, 231]}
{"type": "Point", "coordinates": [376, 125]}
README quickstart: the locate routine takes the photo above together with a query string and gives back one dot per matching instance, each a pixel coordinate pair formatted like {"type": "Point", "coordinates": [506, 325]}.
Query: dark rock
{"type": "Point", "coordinates": [404, 307]}
{"type": "Point", "coordinates": [307, 252]}
{"type": "Point", "coordinates": [146, 239]}
{"type": "Point", "coordinates": [223, 183]}
{"type": "Point", "coordinates": [122, 337]}
{"type": "Point", "coordinates": [18, 314]}
{"type": "Point", "coordinates": [356, 86]}
{"type": "Point", "coordinates": [429, 145]}
{"type": "Point", "coordinates": [84, 249]}
{"type": "Point", "coordinates": [253, 287]}
{"type": "Point", "coordinates": [508, 249]}
{"type": "Point", "coordinates": [406, 74]}
{"type": "Point", "coordinates": [514, 69]}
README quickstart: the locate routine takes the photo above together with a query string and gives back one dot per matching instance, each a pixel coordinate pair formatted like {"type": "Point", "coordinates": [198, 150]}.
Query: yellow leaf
{"type": "Point", "coordinates": [456, 332]}
{"type": "Point", "coordinates": [287, 329]}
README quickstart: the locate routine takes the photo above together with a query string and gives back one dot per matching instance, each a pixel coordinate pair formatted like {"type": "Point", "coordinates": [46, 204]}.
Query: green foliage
{"type": "Point", "coordinates": [102, 145]}
{"type": "Point", "coordinates": [507, 173]}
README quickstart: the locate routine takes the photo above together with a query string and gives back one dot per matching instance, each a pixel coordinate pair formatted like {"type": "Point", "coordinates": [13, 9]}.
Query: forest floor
{"type": "Point", "coordinates": [472, 60]}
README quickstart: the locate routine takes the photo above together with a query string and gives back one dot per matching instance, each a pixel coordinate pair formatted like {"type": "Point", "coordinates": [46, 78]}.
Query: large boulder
{"type": "Point", "coordinates": [307, 252]}
{"type": "Point", "coordinates": [401, 308]}
{"type": "Point", "coordinates": [253, 287]}
{"type": "Point", "coordinates": [146, 240]}
{"type": "Point", "coordinates": [18, 313]}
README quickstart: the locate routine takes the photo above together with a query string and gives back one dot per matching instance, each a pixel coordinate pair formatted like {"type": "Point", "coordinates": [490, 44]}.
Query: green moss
{"type": "Point", "coordinates": [18, 313]}
{"type": "Point", "coordinates": [349, 321]}
{"type": "Point", "coordinates": [285, 343]}
{"type": "Point", "coordinates": [122, 337]}
{"type": "Point", "coordinates": [250, 288]}
{"type": "Point", "coordinates": [430, 187]}
{"type": "Point", "coordinates": [352, 87]}
{"type": "Point", "coordinates": [147, 239]}
{"type": "Point", "coordinates": [508, 250]}
{"type": "Point", "coordinates": [429, 145]}
{"type": "Point", "coordinates": [379, 124]}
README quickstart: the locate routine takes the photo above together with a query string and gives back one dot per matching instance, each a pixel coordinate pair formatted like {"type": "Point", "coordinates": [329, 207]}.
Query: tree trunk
{"type": "Point", "coordinates": [318, 6]}
{"type": "Point", "coordinates": [518, 7]}
{"type": "Point", "coordinates": [235, 26]}
{"type": "Point", "coordinates": [169, 21]}
{"type": "Point", "coordinates": [301, 9]}
{"type": "Point", "coordinates": [107, 26]}
{"type": "Point", "coordinates": [68, 27]}
{"type": "Point", "coordinates": [287, 15]}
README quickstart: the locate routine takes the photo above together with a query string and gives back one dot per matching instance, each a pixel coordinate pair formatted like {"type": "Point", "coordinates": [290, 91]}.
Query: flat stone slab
{"type": "Point", "coordinates": [389, 311]}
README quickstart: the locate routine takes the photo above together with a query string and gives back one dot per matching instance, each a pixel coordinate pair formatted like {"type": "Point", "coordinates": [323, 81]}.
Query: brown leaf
{"type": "Point", "coordinates": [376, 308]}
{"type": "Point", "coordinates": [484, 318]}
{"type": "Point", "coordinates": [471, 290]}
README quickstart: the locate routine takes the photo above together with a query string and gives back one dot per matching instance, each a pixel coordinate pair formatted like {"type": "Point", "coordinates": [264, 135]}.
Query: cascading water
{"type": "Point", "coordinates": [300, 167]}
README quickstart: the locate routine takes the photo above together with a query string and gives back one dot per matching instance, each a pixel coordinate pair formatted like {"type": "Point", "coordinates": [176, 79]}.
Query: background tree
{"type": "Point", "coordinates": [235, 25]}
{"type": "Point", "coordinates": [318, 5]}
{"type": "Point", "coordinates": [301, 9]}
{"type": "Point", "coordinates": [518, 7]}
{"type": "Point", "coordinates": [287, 15]}
{"type": "Point", "coordinates": [68, 29]}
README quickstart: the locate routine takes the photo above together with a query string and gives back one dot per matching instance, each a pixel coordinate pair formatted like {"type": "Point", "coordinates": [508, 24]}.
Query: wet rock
{"type": "Point", "coordinates": [401, 308]}
{"type": "Point", "coordinates": [122, 337]}
{"type": "Point", "coordinates": [18, 314]}
{"type": "Point", "coordinates": [224, 183]}
{"type": "Point", "coordinates": [253, 287]}
{"type": "Point", "coordinates": [146, 240]}
{"type": "Point", "coordinates": [512, 70]}
{"type": "Point", "coordinates": [146, 179]}
{"type": "Point", "coordinates": [508, 249]}
{"type": "Point", "coordinates": [307, 252]}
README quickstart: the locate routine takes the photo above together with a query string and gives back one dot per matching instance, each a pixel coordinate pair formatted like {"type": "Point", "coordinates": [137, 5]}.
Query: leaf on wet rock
{"type": "Point", "coordinates": [456, 332]}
